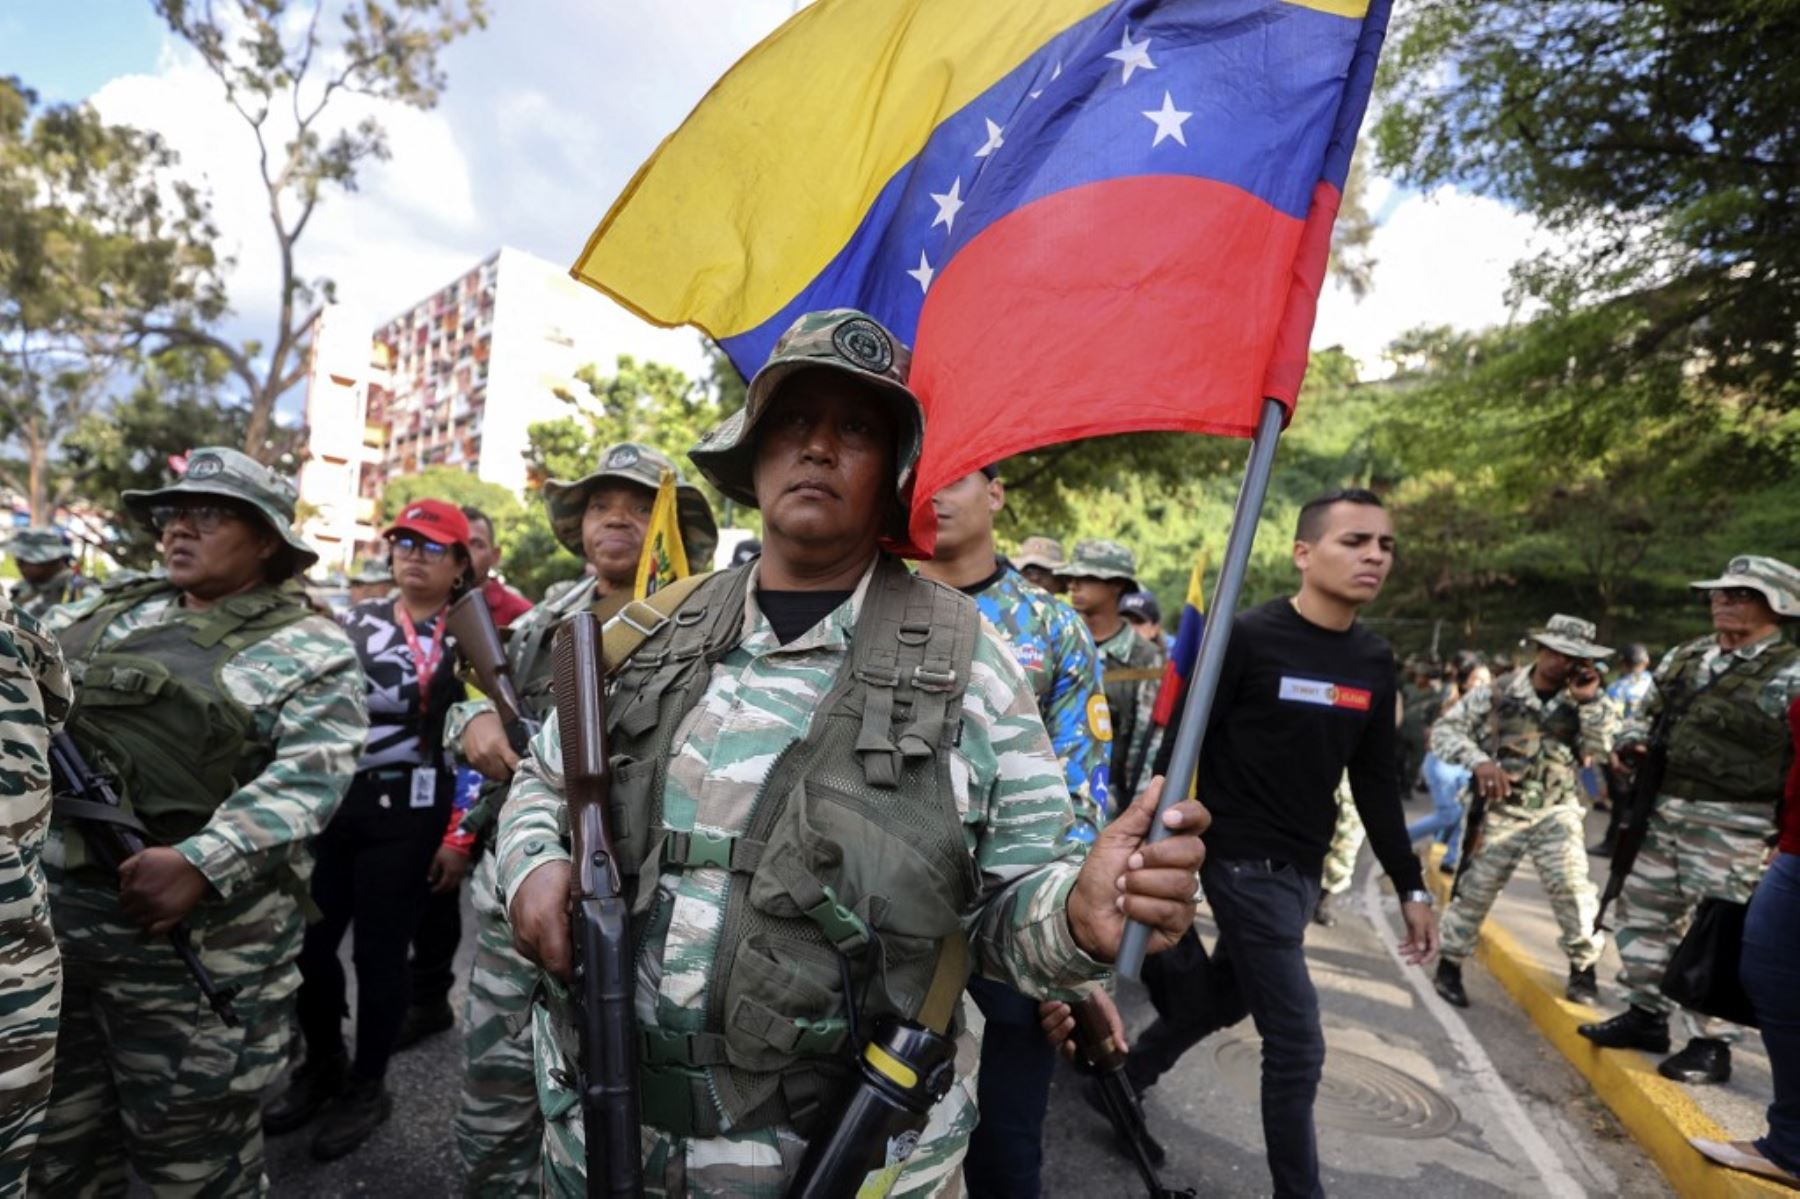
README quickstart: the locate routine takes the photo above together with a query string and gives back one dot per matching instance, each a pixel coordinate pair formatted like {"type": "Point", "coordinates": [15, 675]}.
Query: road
{"type": "Point", "coordinates": [1418, 1099]}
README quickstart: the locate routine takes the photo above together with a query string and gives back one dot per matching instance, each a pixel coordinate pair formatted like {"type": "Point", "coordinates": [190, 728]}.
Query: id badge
{"type": "Point", "coordinates": [424, 787]}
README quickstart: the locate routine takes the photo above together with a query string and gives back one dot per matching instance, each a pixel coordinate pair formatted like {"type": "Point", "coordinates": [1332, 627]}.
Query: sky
{"type": "Point", "coordinates": [547, 113]}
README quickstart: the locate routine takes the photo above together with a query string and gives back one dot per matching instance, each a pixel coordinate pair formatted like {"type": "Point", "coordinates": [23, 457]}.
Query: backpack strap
{"type": "Point", "coordinates": [914, 642]}
{"type": "Point", "coordinates": [642, 619]}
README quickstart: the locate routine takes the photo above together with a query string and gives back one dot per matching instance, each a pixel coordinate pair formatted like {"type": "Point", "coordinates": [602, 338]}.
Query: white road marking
{"type": "Point", "coordinates": [1557, 1180]}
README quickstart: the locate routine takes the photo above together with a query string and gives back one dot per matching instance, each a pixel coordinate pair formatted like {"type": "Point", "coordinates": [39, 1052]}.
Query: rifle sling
{"type": "Point", "coordinates": [73, 808]}
{"type": "Point", "coordinates": [639, 620]}
{"type": "Point", "coordinates": [947, 981]}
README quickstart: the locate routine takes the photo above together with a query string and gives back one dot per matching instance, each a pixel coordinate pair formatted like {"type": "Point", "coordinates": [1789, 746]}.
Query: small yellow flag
{"type": "Point", "coordinates": [664, 559]}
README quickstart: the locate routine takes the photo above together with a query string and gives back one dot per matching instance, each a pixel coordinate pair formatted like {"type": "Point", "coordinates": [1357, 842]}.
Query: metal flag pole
{"type": "Point", "coordinates": [1196, 709]}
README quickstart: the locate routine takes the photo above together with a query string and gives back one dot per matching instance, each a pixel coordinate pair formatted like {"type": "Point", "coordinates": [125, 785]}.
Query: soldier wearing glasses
{"type": "Point", "coordinates": [1714, 819]}
{"type": "Point", "coordinates": [228, 716]}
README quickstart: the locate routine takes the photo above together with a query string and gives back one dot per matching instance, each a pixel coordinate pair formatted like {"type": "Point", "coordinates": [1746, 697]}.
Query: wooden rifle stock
{"type": "Point", "coordinates": [471, 622]}
{"type": "Point", "coordinates": [600, 934]}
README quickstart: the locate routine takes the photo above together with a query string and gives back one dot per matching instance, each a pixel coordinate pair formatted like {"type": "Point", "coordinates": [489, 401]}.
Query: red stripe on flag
{"type": "Point", "coordinates": [1147, 302]}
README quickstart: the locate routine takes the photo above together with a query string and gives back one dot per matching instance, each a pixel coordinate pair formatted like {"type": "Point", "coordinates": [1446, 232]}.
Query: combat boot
{"type": "Point", "coordinates": [1634, 1028]}
{"type": "Point", "coordinates": [315, 1082]}
{"type": "Point", "coordinates": [1582, 986]}
{"type": "Point", "coordinates": [1704, 1060]}
{"type": "Point", "coordinates": [1449, 984]}
{"type": "Point", "coordinates": [424, 1020]}
{"type": "Point", "coordinates": [364, 1107]}
{"type": "Point", "coordinates": [1322, 913]}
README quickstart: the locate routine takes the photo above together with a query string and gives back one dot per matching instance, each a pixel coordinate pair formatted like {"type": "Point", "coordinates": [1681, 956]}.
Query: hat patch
{"type": "Point", "coordinates": [864, 344]}
{"type": "Point", "coordinates": [1738, 566]}
{"type": "Point", "coordinates": [622, 457]}
{"type": "Point", "coordinates": [205, 467]}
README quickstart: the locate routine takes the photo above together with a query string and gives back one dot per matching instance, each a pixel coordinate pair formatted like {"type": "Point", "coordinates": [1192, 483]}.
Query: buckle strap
{"type": "Point", "coordinates": [790, 1034]}
{"type": "Point", "coordinates": [666, 1047]}
{"type": "Point", "coordinates": [841, 926]}
{"type": "Point", "coordinates": [727, 851]}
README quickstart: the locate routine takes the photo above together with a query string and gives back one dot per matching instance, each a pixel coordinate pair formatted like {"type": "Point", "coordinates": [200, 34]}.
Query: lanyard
{"type": "Point", "coordinates": [425, 666]}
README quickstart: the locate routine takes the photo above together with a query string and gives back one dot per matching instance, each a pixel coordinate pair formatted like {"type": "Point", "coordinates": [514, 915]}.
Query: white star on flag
{"type": "Point", "coordinates": [1054, 76]}
{"type": "Point", "coordinates": [1168, 120]}
{"type": "Point", "coordinates": [1132, 55]}
{"type": "Point", "coordinates": [994, 141]}
{"type": "Point", "coordinates": [923, 272]}
{"type": "Point", "coordinates": [948, 205]}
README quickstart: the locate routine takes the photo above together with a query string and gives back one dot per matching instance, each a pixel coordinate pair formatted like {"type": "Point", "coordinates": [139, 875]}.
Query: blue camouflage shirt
{"type": "Point", "coordinates": [1059, 657]}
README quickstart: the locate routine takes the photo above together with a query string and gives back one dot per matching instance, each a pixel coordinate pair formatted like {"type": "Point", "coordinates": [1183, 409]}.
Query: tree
{"type": "Point", "coordinates": [287, 72]}
{"type": "Point", "coordinates": [1657, 136]}
{"type": "Point", "coordinates": [96, 241]}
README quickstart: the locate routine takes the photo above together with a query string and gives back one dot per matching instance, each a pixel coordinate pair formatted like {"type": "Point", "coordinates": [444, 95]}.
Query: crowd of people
{"type": "Point", "coordinates": [838, 784]}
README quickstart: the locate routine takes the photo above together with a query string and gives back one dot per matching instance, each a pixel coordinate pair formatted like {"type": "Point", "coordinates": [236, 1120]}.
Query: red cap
{"type": "Point", "coordinates": [434, 520]}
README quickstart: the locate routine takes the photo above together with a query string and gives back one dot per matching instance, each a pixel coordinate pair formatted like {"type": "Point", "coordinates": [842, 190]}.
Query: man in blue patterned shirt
{"type": "Point", "coordinates": [1058, 654]}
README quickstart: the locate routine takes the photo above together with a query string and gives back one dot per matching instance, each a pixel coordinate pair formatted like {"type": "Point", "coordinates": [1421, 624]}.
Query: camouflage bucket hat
{"type": "Point", "coordinates": [1570, 635]}
{"type": "Point", "coordinates": [39, 545]}
{"type": "Point", "coordinates": [1045, 552]}
{"type": "Point", "coordinates": [840, 339]}
{"type": "Point", "coordinates": [1098, 559]}
{"type": "Point", "coordinates": [221, 471]}
{"type": "Point", "coordinates": [1778, 582]}
{"type": "Point", "coordinates": [629, 462]}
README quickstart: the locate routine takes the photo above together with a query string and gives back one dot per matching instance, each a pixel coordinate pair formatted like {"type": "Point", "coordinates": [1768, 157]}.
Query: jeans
{"type": "Point", "coordinates": [1771, 977]}
{"type": "Point", "coordinates": [1006, 1152]}
{"type": "Point", "coordinates": [370, 867]}
{"type": "Point", "coordinates": [1263, 910]}
{"type": "Point", "coordinates": [1445, 823]}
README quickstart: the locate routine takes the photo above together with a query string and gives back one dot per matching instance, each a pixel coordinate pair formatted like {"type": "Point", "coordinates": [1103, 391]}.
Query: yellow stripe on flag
{"type": "Point", "coordinates": [1196, 592]}
{"type": "Point", "coordinates": [664, 558]}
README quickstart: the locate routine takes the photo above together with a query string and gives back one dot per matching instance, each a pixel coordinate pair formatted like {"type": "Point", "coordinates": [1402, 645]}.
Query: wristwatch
{"type": "Point", "coordinates": [1423, 897]}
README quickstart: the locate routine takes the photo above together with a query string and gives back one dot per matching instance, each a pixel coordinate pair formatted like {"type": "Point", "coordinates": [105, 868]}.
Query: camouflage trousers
{"type": "Point", "coordinates": [499, 1131]}
{"type": "Point", "coordinates": [1553, 837]}
{"type": "Point", "coordinates": [148, 1077]}
{"type": "Point", "coordinates": [30, 999]}
{"type": "Point", "coordinates": [751, 1165]}
{"type": "Point", "coordinates": [1346, 842]}
{"type": "Point", "coordinates": [1693, 849]}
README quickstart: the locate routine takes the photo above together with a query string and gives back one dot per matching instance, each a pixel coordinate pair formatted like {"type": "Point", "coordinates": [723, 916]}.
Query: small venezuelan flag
{"type": "Point", "coordinates": [1086, 217]}
{"type": "Point", "coordinates": [1186, 649]}
{"type": "Point", "coordinates": [664, 558]}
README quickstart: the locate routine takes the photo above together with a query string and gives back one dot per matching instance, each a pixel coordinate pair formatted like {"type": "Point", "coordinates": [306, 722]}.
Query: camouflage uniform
{"type": "Point", "coordinates": [1706, 836]}
{"type": "Point", "coordinates": [1540, 745]}
{"type": "Point", "coordinates": [499, 1129]}
{"type": "Point", "coordinates": [45, 545]}
{"type": "Point", "coordinates": [1133, 672]}
{"type": "Point", "coordinates": [34, 698]}
{"type": "Point", "coordinates": [757, 700]}
{"type": "Point", "coordinates": [149, 1075]}
{"type": "Point", "coordinates": [1347, 839]}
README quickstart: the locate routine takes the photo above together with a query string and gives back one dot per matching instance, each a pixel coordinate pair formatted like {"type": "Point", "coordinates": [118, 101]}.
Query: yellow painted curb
{"type": "Point", "coordinates": [1657, 1112]}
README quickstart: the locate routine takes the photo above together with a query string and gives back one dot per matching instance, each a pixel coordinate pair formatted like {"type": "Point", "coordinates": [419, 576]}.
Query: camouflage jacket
{"type": "Point", "coordinates": [1776, 696]}
{"type": "Point", "coordinates": [34, 698]}
{"type": "Point", "coordinates": [1559, 731]}
{"type": "Point", "coordinates": [305, 686]}
{"type": "Point", "coordinates": [1130, 700]}
{"type": "Point", "coordinates": [36, 600]}
{"type": "Point", "coordinates": [760, 699]}
{"type": "Point", "coordinates": [1062, 665]}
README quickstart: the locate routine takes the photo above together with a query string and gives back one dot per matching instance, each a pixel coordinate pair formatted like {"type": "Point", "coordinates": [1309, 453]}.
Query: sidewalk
{"type": "Point", "coordinates": [1518, 946]}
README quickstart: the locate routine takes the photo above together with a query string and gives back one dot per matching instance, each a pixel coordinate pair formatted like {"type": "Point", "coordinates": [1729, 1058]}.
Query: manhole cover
{"type": "Point", "coordinates": [1357, 1093]}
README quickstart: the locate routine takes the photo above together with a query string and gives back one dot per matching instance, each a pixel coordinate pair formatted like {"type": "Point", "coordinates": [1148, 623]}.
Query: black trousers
{"type": "Point", "coordinates": [370, 869]}
{"type": "Point", "coordinates": [1006, 1152]}
{"type": "Point", "coordinates": [1262, 909]}
{"type": "Point", "coordinates": [434, 948]}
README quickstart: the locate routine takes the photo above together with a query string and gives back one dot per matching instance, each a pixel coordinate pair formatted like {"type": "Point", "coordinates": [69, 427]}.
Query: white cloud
{"type": "Point", "coordinates": [1441, 258]}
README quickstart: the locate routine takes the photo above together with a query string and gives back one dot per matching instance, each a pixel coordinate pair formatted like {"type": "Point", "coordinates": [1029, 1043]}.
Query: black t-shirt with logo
{"type": "Point", "coordinates": [400, 735]}
{"type": "Point", "coordinates": [1298, 704]}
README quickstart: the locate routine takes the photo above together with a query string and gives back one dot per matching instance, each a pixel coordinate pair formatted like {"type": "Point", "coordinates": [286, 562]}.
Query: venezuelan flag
{"type": "Point", "coordinates": [1086, 218]}
{"type": "Point", "coordinates": [1185, 651]}
{"type": "Point", "coordinates": [664, 558]}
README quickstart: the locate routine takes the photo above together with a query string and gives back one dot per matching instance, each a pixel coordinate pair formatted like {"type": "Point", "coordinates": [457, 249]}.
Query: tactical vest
{"type": "Point", "coordinates": [1725, 748]}
{"type": "Point", "coordinates": [1537, 751]}
{"type": "Point", "coordinates": [851, 875]}
{"type": "Point", "coordinates": [152, 710]}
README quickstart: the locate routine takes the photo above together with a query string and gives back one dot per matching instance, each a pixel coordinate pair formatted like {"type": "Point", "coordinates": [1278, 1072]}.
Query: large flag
{"type": "Point", "coordinates": [664, 558]}
{"type": "Point", "coordinates": [1086, 217]}
{"type": "Point", "coordinates": [1186, 650]}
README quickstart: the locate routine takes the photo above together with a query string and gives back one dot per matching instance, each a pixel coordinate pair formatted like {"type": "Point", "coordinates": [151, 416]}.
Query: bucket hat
{"type": "Point", "coordinates": [1570, 635]}
{"type": "Point", "coordinates": [232, 474]}
{"type": "Point", "coordinates": [1778, 582]}
{"type": "Point", "coordinates": [1044, 552]}
{"type": "Point", "coordinates": [39, 545]}
{"type": "Point", "coordinates": [1100, 559]}
{"type": "Point", "coordinates": [631, 462]}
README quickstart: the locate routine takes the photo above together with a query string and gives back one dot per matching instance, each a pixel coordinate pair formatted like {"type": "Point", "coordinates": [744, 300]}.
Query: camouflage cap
{"type": "Point", "coordinates": [1045, 552]}
{"type": "Point", "coordinates": [1097, 559]}
{"type": "Point", "coordinates": [839, 339]}
{"type": "Point", "coordinates": [1570, 635]}
{"type": "Point", "coordinates": [1778, 582]}
{"type": "Point", "coordinates": [630, 462]}
{"type": "Point", "coordinates": [233, 474]}
{"type": "Point", "coordinates": [39, 544]}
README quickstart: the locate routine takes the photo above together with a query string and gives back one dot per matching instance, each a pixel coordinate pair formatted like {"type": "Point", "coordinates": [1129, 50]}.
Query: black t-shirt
{"type": "Point", "coordinates": [1298, 704]}
{"type": "Point", "coordinates": [791, 613]}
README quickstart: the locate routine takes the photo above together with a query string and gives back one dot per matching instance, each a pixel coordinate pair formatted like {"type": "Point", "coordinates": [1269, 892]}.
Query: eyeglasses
{"type": "Point", "coordinates": [205, 518]}
{"type": "Point", "coordinates": [418, 547]}
{"type": "Point", "coordinates": [1736, 595]}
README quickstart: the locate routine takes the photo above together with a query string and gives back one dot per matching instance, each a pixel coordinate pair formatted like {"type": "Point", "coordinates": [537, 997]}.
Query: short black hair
{"type": "Point", "coordinates": [473, 514]}
{"type": "Point", "coordinates": [1312, 513]}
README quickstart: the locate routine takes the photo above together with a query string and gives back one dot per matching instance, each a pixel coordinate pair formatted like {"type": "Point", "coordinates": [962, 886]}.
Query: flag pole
{"type": "Point", "coordinates": [1196, 709]}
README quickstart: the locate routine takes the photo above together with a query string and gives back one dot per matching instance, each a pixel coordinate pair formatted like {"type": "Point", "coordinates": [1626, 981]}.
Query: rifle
{"type": "Point", "coordinates": [1102, 1057]}
{"type": "Point", "coordinates": [113, 835]}
{"type": "Point", "coordinates": [1471, 834]}
{"type": "Point", "coordinates": [600, 934]}
{"type": "Point", "coordinates": [471, 622]}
